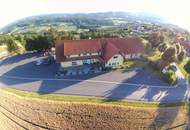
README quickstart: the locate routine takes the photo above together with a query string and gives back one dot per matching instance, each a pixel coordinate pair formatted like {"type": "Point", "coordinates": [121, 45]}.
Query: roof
{"type": "Point", "coordinates": [127, 45]}
{"type": "Point", "coordinates": [109, 51]}
{"type": "Point", "coordinates": [81, 46]}
{"type": "Point", "coordinates": [107, 46]}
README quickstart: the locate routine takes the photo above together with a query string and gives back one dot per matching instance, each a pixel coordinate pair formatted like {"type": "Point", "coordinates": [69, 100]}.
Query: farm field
{"type": "Point", "coordinates": [35, 113]}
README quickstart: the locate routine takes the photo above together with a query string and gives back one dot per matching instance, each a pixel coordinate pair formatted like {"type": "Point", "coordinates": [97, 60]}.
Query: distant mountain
{"type": "Point", "coordinates": [82, 20]}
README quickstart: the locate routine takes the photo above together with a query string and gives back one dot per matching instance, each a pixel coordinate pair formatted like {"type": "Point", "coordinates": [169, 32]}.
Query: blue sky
{"type": "Point", "coordinates": [175, 10]}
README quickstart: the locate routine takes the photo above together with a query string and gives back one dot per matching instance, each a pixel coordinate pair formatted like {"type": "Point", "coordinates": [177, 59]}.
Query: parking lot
{"type": "Point", "coordinates": [20, 72]}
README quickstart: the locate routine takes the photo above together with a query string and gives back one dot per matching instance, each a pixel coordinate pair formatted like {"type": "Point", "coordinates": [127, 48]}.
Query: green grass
{"type": "Point", "coordinates": [133, 64]}
{"type": "Point", "coordinates": [154, 56]}
{"type": "Point", "coordinates": [86, 99]}
{"type": "Point", "coordinates": [181, 66]}
{"type": "Point", "coordinates": [145, 42]}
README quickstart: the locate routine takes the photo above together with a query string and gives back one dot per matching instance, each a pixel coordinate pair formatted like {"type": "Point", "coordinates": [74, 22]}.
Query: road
{"type": "Point", "coordinates": [20, 72]}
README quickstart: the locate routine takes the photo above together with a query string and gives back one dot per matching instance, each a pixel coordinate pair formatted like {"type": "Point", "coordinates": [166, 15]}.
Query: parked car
{"type": "Point", "coordinates": [47, 61]}
{"type": "Point", "coordinates": [39, 62]}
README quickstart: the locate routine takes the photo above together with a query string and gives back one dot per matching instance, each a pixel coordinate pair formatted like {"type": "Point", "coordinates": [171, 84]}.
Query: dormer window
{"type": "Point", "coordinates": [115, 57]}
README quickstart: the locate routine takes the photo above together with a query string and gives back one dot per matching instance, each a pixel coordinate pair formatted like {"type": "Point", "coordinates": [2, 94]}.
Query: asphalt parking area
{"type": "Point", "coordinates": [20, 72]}
{"type": "Point", "coordinates": [24, 66]}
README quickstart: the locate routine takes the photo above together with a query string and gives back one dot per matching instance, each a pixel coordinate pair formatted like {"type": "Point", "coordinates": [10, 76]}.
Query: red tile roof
{"type": "Point", "coordinates": [109, 51]}
{"type": "Point", "coordinates": [82, 46]}
{"type": "Point", "coordinates": [127, 45]}
{"type": "Point", "coordinates": [108, 47]}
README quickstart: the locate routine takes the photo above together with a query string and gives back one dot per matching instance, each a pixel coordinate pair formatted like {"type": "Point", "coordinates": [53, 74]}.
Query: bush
{"type": "Point", "coordinates": [187, 67]}
{"type": "Point", "coordinates": [170, 77]}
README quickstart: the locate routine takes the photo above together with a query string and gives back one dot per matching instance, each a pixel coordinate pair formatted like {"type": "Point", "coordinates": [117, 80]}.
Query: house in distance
{"type": "Point", "coordinates": [110, 51]}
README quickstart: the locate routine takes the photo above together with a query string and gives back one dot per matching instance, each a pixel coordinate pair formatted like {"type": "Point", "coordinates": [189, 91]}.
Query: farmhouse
{"type": "Point", "coordinates": [110, 51]}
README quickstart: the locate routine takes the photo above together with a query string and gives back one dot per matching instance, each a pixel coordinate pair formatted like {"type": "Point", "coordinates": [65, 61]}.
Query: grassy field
{"type": "Point", "coordinates": [86, 99]}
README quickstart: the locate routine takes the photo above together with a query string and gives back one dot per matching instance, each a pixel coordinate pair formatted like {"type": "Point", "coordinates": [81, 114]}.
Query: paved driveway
{"type": "Point", "coordinates": [20, 72]}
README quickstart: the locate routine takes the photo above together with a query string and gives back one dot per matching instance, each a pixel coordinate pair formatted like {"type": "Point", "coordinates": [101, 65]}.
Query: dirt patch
{"type": "Point", "coordinates": [24, 113]}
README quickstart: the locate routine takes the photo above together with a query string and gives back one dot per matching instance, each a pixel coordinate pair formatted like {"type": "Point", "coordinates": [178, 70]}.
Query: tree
{"type": "Point", "coordinates": [178, 48]}
{"type": "Point", "coordinates": [155, 39]}
{"type": "Point", "coordinates": [187, 67]}
{"type": "Point", "coordinates": [181, 56]}
{"type": "Point", "coordinates": [51, 35]}
{"type": "Point", "coordinates": [162, 47]}
{"type": "Point", "coordinates": [169, 55]}
{"type": "Point", "coordinates": [37, 43]}
{"type": "Point", "coordinates": [11, 44]}
{"type": "Point", "coordinates": [21, 39]}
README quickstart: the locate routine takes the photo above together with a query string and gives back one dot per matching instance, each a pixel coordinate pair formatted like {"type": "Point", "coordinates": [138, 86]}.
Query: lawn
{"type": "Point", "coordinates": [133, 64]}
{"type": "Point", "coordinates": [154, 55]}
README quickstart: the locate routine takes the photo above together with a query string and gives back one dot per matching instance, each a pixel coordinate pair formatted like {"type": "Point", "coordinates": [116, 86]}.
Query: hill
{"type": "Point", "coordinates": [79, 21]}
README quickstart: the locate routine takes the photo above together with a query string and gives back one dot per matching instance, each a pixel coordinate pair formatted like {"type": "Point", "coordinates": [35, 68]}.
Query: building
{"type": "Point", "coordinates": [110, 51]}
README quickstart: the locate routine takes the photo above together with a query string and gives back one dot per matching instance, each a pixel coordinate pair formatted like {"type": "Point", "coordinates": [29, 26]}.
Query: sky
{"type": "Point", "coordinates": [177, 11]}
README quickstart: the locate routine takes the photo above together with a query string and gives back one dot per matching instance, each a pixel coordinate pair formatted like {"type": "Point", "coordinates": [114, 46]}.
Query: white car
{"type": "Point", "coordinates": [39, 62]}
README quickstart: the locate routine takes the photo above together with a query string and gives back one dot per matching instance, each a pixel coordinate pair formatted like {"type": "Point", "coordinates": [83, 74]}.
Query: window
{"type": "Point", "coordinates": [115, 57]}
{"type": "Point", "coordinates": [74, 63]}
{"type": "Point", "coordinates": [113, 64]}
{"type": "Point", "coordinates": [67, 56]}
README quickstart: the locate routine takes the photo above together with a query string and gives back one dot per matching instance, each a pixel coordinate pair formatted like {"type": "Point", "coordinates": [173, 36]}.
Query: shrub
{"type": "Point", "coordinates": [170, 77]}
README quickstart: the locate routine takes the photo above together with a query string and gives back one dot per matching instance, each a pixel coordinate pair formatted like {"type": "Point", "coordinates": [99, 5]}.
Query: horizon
{"type": "Point", "coordinates": [22, 9]}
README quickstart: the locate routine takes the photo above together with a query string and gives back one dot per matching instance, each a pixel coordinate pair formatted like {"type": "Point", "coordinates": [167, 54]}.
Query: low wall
{"type": "Point", "coordinates": [24, 113]}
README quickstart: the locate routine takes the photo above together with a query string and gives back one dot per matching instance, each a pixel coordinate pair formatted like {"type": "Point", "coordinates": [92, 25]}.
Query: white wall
{"type": "Point", "coordinates": [115, 62]}
{"type": "Point", "coordinates": [133, 56]}
{"type": "Point", "coordinates": [128, 56]}
{"type": "Point", "coordinates": [69, 63]}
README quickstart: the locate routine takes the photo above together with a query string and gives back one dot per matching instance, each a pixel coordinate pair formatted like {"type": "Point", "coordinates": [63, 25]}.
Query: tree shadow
{"type": "Point", "coordinates": [136, 86]}
{"type": "Point", "coordinates": [41, 79]}
{"type": "Point", "coordinates": [18, 58]}
{"type": "Point", "coordinates": [165, 119]}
